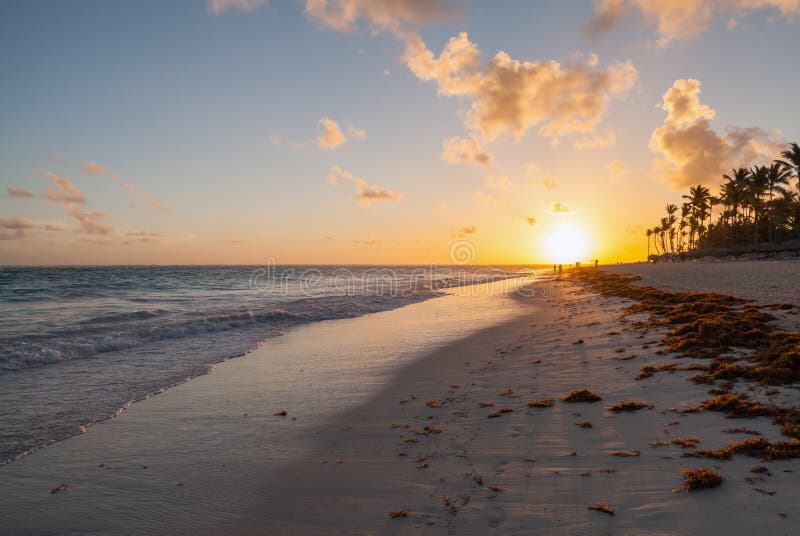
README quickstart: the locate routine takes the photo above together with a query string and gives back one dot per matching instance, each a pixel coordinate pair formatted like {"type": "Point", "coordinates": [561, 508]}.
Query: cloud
{"type": "Point", "coordinates": [499, 182]}
{"type": "Point", "coordinates": [18, 192]}
{"type": "Point", "coordinates": [55, 158]}
{"type": "Point", "coordinates": [62, 191]}
{"type": "Point", "coordinates": [596, 140]}
{"type": "Point", "coordinates": [464, 231]}
{"type": "Point", "coordinates": [511, 96]}
{"type": "Point", "coordinates": [218, 7]}
{"type": "Point", "coordinates": [681, 19]}
{"type": "Point", "coordinates": [155, 205]}
{"type": "Point", "coordinates": [365, 195]}
{"type": "Point", "coordinates": [560, 209]}
{"type": "Point", "coordinates": [53, 227]}
{"type": "Point", "coordinates": [90, 221]}
{"type": "Point", "coordinates": [332, 136]}
{"type": "Point", "coordinates": [531, 221]}
{"type": "Point", "coordinates": [691, 151]}
{"type": "Point", "coordinates": [275, 140]}
{"type": "Point", "coordinates": [144, 236]}
{"type": "Point", "coordinates": [93, 168]}
{"type": "Point", "coordinates": [357, 133]}
{"type": "Point", "coordinates": [14, 228]}
{"type": "Point", "coordinates": [457, 150]}
{"type": "Point", "coordinates": [616, 171]}
{"type": "Point", "coordinates": [391, 15]}
{"type": "Point", "coordinates": [537, 179]}
{"type": "Point", "coordinates": [486, 199]}
{"type": "Point", "coordinates": [606, 15]}
{"type": "Point", "coordinates": [368, 242]}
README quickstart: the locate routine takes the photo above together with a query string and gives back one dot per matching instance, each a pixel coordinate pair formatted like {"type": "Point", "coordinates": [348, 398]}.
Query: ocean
{"type": "Point", "coordinates": [80, 344]}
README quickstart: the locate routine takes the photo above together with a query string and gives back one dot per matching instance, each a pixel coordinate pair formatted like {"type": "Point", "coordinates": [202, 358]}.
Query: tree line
{"type": "Point", "coordinates": [755, 206]}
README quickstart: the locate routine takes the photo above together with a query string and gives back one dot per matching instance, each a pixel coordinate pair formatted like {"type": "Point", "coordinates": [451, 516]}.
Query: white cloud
{"type": "Point", "coordinates": [218, 7]}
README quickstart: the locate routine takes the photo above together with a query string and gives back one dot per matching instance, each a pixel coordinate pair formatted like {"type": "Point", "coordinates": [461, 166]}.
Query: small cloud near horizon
{"type": "Point", "coordinates": [560, 209]}
{"type": "Point", "coordinates": [365, 194]}
{"type": "Point", "coordinates": [18, 192]}
{"type": "Point", "coordinates": [464, 231]}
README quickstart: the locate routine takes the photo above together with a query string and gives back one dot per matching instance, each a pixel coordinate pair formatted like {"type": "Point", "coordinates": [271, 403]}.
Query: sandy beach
{"type": "Point", "coordinates": [443, 417]}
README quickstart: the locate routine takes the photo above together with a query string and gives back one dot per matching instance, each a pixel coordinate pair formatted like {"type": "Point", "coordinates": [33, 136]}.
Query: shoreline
{"type": "Point", "coordinates": [530, 469]}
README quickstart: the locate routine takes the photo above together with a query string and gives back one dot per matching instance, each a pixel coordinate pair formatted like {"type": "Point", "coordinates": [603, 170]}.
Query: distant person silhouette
{"type": "Point", "coordinates": [596, 262]}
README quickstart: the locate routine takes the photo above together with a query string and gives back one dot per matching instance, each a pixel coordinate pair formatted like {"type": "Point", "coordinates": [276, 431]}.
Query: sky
{"type": "Point", "coordinates": [377, 131]}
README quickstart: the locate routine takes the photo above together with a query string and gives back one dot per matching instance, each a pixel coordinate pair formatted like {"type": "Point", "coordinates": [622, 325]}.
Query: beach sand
{"type": "Point", "coordinates": [407, 429]}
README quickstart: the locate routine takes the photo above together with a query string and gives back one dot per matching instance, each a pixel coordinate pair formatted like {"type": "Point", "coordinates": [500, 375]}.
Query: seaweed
{"type": "Point", "coordinates": [697, 479]}
{"type": "Point", "coordinates": [602, 507]}
{"type": "Point", "coordinates": [545, 403]}
{"type": "Point", "coordinates": [630, 406]}
{"type": "Point", "coordinates": [582, 395]}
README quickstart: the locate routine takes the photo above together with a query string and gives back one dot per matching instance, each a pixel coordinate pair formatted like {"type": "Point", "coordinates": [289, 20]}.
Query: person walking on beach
{"type": "Point", "coordinates": [560, 269]}
{"type": "Point", "coordinates": [596, 262]}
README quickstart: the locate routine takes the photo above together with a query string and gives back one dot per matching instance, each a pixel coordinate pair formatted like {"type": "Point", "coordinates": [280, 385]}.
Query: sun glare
{"type": "Point", "coordinates": [567, 244]}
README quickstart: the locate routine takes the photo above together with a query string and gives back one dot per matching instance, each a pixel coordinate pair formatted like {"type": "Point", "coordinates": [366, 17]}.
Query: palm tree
{"type": "Point", "coordinates": [698, 199]}
{"type": "Point", "coordinates": [655, 232]}
{"type": "Point", "coordinates": [671, 210]}
{"type": "Point", "coordinates": [777, 176]}
{"type": "Point", "coordinates": [649, 233]}
{"type": "Point", "coordinates": [758, 185]}
{"type": "Point", "coordinates": [792, 160]}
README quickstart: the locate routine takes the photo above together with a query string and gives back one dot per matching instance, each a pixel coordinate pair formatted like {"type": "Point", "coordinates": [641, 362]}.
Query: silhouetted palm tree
{"type": "Point", "coordinates": [777, 176]}
{"type": "Point", "coordinates": [792, 160]}
{"type": "Point", "coordinates": [751, 199]}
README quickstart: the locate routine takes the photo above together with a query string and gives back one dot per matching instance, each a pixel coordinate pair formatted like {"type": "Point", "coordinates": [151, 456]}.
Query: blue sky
{"type": "Point", "coordinates": [181, 104]}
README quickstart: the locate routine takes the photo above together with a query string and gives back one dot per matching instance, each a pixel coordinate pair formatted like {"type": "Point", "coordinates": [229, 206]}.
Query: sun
{"type": "Point", "coordinates": [566, 244]}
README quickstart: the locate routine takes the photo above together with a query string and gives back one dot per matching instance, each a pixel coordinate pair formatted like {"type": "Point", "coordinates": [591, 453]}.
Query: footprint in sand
{"type": "Point", "coordinates": [499, 467]}
{"type": "Point", "coordinates": [497, 516]}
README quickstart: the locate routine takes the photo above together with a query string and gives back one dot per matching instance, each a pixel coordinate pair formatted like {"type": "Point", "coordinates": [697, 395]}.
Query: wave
{"type": "Point", "coordinates": [24, 354]}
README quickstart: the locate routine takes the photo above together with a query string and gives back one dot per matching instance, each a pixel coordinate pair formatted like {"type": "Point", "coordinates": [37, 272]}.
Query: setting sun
{"type": "Point", "coordinates": [567, 244]}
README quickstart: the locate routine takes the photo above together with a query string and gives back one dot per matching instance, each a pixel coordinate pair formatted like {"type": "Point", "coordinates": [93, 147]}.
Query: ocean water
{"type": "Point", "coordinates": [80, 344]}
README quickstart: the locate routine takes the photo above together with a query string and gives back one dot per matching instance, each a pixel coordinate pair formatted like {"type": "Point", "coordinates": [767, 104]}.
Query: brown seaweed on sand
{"type": "Point", "coordinates": [625, 453]}
{"type": "Point", "coordinates": [755, 448]}
{"type": "Point", "coordinates": [630, 405]}
{"type": "Point", "coordinates": [546, 403]}
{"type": "Point", "coordinates": [61, 488]}
{"type": "Point", "coordinates": [582, 395]}
{"type": "Point", "coordinates": [399, 513]}
{"type": "Point", "coordinates": [697, 479]}
{"type": "Point", "coordinates": [602, 507]}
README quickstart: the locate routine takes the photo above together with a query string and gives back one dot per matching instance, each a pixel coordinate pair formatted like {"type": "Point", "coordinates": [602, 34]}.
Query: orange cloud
{"type": "Point", "coordinates": [464, 231]}
{"type": "Point", "coordinates": [560, 209]}
{"type": "Point", "coordinates": [18, 192]}
{"type": "Point", "coordinates": [511, 96]}
{"type": "Point", "coordinates": [680, 19]}
{"type": "Point", "coordinates": [62, 191]}
{"type": "Point", "coordinates": [93, 168]}
{"type": "Point", "coordinates": [14, 228]}
{"type": "Point", "coordinates": [691, 151]}
{"type": "Point", "coordinates": [90, 222]}
{"type": "Point", "coordinates": [391, 15]}
{"type": "Point", "coordinates": [365, 195]}
{"type": "Point", "coordinates": [457, 150]}
{"type": "Point", "coordinates": [331, 136]}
